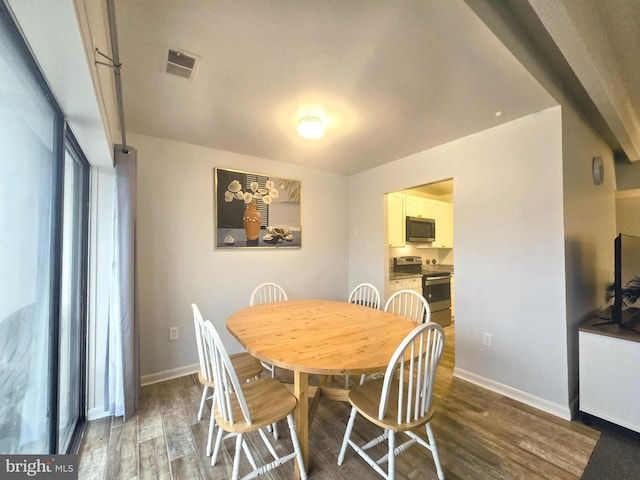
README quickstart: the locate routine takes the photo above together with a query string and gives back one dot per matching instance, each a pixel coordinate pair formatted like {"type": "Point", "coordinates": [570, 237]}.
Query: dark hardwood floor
{"type": "Point", "coordinates": [480, 435]}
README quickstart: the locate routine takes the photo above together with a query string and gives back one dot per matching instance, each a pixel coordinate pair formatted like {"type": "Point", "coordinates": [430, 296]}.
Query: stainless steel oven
{"type": "Point", "coordinates": [436, 288]}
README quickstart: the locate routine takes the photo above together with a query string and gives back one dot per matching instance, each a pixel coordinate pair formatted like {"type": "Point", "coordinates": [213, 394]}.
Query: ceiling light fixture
{"type": "Point", "coordinates": [311, 128]}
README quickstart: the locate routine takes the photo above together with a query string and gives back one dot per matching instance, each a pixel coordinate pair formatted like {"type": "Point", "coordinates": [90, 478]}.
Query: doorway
{"type": "Point", "coordinates": [432, 200]}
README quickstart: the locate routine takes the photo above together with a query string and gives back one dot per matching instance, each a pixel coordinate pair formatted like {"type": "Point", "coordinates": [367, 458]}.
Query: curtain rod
{"type": "Point", "coordinates": [115, 64]}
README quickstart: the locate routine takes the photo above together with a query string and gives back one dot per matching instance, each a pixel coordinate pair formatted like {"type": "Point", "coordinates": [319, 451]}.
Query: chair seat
{"type": "Point", "coordinates": [268, 400]}
{"type": "Point", "coordinates": [366, 399]}
{"type": "Point", "coordinates": [246, 367]}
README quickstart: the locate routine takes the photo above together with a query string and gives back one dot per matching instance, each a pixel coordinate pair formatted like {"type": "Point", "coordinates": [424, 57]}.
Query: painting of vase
{"type": "Point", "coordinates": [256, 210]}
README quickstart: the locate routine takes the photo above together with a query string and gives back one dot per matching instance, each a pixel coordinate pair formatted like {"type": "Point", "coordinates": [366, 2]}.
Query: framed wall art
{"type": "Point", "coordinates": [255, 210]}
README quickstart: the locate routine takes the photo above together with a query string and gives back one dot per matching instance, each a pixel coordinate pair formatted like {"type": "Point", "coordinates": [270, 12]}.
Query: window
{"type": "Point", "coordinates": [71, 352]}
{"type": "Point", "coordinates": [42, 283]}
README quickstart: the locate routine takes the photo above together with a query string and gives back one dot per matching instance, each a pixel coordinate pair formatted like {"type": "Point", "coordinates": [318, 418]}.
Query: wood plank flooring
{"type": "Point", "coordinates": [480, 435]}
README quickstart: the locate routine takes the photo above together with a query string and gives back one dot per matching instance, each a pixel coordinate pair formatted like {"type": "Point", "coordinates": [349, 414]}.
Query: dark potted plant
{"type": "Point", "coordinates": [630, 292]}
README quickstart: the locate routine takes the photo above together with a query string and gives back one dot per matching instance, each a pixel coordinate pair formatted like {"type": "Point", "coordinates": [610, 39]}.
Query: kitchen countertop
{"type": "Point", "coordinates": [426, 269]}
{"type": "Point", "coordinates": [401, 275]}
{"type": "Point", "coordinates": [437, 268]}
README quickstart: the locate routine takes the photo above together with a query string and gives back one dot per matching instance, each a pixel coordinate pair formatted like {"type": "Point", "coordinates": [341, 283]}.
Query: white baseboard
{"type": "Point", "coordinates": [169, 374]}
{"type": "Point", "coordinates": [562, 411]}
{"type": "Point", "coordinates": [98, 413]}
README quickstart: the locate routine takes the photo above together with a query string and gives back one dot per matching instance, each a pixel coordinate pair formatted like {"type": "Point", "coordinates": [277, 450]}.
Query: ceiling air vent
{"type": "Point", "coordinates": [181, 64]}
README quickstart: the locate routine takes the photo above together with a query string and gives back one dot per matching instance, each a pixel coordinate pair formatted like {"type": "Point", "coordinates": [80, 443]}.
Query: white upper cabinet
{"type": "Point", "coordinates": [396, 219]}
{"type": "Point", "coordinates": [411, 206]}
{"type": "Point", "coordinates": [441, 212]}
{"type": "Point", "coordinates": [400, 206]}
{"type": "Point", "coordinates": [417, 207]}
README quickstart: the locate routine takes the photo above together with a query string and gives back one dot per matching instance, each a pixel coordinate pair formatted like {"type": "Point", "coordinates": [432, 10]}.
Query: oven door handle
{"type": "Point", "coordinates": [437, 279]}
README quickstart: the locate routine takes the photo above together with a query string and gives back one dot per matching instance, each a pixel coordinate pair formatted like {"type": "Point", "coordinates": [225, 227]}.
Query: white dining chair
{"type": "Point", "coordinates": [367, 295]}
{"type": "Point", "coordinates": [401, 401]}
{"type": "Point", "coordinates": [246, 367]}
{"type": "Point", "coordinates": [241, 408]}
{"type": "Point", "coordinates": [266, 293]}
{"type": "Point", "coordinates": [409, 304]}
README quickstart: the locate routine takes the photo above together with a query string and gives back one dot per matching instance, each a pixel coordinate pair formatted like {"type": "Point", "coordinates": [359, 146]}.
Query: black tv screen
{"type": "Point", "coordinates": [627, 269]}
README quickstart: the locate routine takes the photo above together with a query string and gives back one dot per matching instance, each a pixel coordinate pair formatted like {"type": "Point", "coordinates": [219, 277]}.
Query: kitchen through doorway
{"type": "Point", "coordinates": [435, 254]}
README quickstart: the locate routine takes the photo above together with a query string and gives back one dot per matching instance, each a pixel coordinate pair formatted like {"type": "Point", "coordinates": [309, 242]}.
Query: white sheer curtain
{"type": "Point", "coordinates": [29, 127]}
{"type": "Point", "coordinates": [122, 378]}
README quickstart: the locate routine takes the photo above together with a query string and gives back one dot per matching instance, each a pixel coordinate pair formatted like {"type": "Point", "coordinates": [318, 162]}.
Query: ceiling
{"type": "Point", "coordinates": [392, 77]}
{"type": "Point", "coordinates": [593, 47]}
{"type": "Point", "coordinates": [442, 190]}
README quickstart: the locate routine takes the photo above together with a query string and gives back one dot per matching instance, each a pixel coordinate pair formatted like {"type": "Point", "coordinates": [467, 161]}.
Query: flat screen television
{"type": "Point", "coordinates": [626, 286]}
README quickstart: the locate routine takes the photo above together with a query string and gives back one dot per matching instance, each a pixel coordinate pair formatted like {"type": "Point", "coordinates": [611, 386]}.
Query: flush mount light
{"type": "Point", "coordinates": [311, 128]}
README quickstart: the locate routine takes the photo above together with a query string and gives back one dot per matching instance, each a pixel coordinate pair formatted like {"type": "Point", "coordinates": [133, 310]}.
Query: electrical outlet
{"type": "Point", "coordinates": [487, 339]}
{"type": "Point", "coordinates": [174, 332]}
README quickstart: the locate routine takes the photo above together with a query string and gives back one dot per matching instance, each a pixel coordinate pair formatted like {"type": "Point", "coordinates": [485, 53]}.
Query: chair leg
{"type": "Point", "coordinates": [212, 424]}
{"type": "Point", "coordinates": [296, 447]}
{"type": "Point", "coordinates": [267, 443]}
{"type": "Point", "coordinates": [247, 452]}
{"type": "Point", "coordinates": [434, 451]}
{"type": "Point", "coordinates": [275, 425]}
{"type": "Point", "coordinates": [216, 450]}
{"type": "Point", "coordinates": [236, 459]}
{"type": "Point", "coordinates": [203, 400]}
{"type": "Point", "coordinates": [347, 435]}
{"type": "Point", "coordinates": [391, 465]}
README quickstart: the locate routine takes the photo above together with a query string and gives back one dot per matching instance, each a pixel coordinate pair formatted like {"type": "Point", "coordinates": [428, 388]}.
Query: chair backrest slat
{"type": "Point", "coordinates": [365, 294]}
{"type": "Point", "coordinates": [409, 304]}
{"type": "Point", "coordinates": [412, 368]}
{"type": "Point", "coordinates": [203, 353]}
{"type": "Point", "coordinates": [266, 293]}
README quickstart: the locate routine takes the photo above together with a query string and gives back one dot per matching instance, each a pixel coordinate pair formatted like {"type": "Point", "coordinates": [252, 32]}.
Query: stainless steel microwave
{"type": "Point", "coordinates": [420, 230]}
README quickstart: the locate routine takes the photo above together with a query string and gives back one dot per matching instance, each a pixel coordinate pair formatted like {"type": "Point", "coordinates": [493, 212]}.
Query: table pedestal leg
{"type": "Point", "coordinates": [301, 415]}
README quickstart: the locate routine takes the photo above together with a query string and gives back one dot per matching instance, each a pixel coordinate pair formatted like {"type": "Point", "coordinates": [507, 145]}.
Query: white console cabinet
{"type": "Point", "coordinates": [609, 386]}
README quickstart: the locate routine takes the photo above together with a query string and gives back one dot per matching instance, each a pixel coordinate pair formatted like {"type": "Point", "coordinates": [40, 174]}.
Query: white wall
{"type": "Point", "coordinates": [509, 251]}
{"type": "Point", "coordinates": [627, 175]}
{"type": "Point", "coordinates": [179, 266]}
{"type": "Point", "coordinates": [589, 223]}
{"type": "Point", "coordinates": [588, 209]}
{"type": "Point", "coordinates": [628, 212]}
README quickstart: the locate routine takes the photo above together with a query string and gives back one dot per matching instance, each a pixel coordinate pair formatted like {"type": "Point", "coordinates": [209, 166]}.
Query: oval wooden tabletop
{"type": "Point", "coordinates": [319, 336]}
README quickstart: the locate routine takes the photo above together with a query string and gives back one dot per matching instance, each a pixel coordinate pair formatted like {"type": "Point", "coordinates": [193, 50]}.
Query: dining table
{"type": "Point", "coordinates": [318, 337]}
